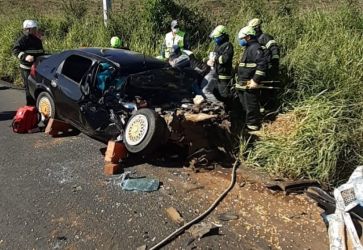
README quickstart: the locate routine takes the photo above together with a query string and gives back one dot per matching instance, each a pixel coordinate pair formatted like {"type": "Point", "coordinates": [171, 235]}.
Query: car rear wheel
{"type": "Point", "coordinates": [45, 105]}
{"type": "Point", "coordinates": [145, 132]}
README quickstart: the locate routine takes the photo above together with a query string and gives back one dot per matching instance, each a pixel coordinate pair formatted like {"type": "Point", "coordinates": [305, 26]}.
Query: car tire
{"type": "Point", "coordinates": [145, 131]}
{"type": "Point", "coordinates": [46, 106]}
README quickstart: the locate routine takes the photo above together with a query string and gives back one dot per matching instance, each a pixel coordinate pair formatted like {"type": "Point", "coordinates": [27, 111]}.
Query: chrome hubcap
{"type": "Point", "coordinates": [136, 129]}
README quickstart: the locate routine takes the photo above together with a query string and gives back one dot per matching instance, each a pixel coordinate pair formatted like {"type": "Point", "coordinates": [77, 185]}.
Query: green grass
{"type": "Point", "coordinates": [325, 58]}
{"type": "Point", "coordinates": [321, 126]}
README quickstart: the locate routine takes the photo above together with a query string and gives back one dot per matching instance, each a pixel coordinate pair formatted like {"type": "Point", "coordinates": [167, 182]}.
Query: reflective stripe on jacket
{"type": "Point", "coordinates": [253, 64]}
{"type": "Point", "coordinates": [27, 45]}
{"type": "Point", "coordinates": [267, 42]}
{"type": "Point", "coordinates": [223, 61]}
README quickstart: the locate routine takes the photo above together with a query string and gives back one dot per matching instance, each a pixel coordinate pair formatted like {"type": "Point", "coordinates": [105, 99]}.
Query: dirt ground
{"type": "Point", "coordinates": [269, 220]}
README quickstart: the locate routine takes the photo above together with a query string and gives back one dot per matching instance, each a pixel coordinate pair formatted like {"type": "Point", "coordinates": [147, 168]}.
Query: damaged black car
{"type": "Point", "coordinates": [111, 94]}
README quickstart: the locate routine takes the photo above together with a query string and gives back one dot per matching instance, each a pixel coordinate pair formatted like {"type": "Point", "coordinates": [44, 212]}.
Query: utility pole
{"type": "Point", "coordinates": [106, 10]}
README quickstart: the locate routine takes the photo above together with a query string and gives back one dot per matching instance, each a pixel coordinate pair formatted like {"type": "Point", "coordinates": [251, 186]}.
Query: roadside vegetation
{"type": "Point", "coordinates": [319, 133]}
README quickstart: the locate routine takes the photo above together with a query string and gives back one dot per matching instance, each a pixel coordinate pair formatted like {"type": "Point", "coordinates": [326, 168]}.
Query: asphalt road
{"type": "Point", "coordinates": [54, 195]}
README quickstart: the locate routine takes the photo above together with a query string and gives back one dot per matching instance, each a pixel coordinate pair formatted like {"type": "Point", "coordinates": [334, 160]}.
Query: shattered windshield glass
{"type": "Point", "coordinates": [108, 76]}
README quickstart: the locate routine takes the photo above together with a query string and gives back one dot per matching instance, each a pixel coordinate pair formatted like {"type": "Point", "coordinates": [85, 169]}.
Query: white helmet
{"type": "Point", "coordinates": [29, 24]}
{"type": "Point", "coordinates": [255, 22]}
{"type": "Point", "coordinates": [246, 31]}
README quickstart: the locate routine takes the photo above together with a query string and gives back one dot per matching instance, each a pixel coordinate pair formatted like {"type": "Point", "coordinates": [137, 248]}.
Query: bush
{"type": "Point", "coordinates": [74, 9]}
{"type": "Point", "coordinates": [9, 65]}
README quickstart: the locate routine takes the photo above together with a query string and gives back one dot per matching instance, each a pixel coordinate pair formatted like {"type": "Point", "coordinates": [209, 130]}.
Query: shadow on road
{"type": "Point", "coordinates": [7, 115]}
{"type": "Point", "coordinates": [4, 88]}
{"type": "Point", "coordinates": [167, 156]}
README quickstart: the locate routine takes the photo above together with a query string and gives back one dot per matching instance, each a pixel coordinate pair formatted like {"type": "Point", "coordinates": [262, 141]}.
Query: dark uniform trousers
{"type": "Point", "coordinates": [25, 74]}
{"type": "Point", "coordinates": [251, 105]}
{"type": "Point", "coordinates": [269, 97]}
{"type": "Point", "coordinates": [224, 89]}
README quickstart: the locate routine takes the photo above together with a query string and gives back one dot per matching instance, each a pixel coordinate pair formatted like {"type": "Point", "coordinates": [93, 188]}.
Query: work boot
{"type": "Point", "coordinates": [253, 127]}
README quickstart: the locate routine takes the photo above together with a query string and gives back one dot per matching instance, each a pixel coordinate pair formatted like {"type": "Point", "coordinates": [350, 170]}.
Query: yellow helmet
{"type": "Point", "coordinates": [116, 42]}
{"type": "Point", "coordinates": [246, 31]}
{"type": "Point", "coordinates": [218, 31]}
{"type": "Point", "coordinates": [255, 22]}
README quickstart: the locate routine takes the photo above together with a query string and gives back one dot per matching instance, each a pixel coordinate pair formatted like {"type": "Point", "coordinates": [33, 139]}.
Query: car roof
{"type": "Point", "coordinates": [126, 58]}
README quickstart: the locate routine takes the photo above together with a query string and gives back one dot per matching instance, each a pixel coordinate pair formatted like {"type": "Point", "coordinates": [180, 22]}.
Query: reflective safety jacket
{"type": "Point", "coordinates": [223, 60]}
{"type": "Point", "coordinates": [27, 45]}
{"type": "Point", "coordinates": [171, 39]}
{"type": "Point", "coordinates": [267, 42]}
{"type": "Point", "coordinates": [253, 64]}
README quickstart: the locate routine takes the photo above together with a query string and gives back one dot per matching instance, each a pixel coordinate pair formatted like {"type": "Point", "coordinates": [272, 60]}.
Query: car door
{"type": "Point", "coordinates": [68, 94]}
{"type": "Point", "coordinates": [95, 112]}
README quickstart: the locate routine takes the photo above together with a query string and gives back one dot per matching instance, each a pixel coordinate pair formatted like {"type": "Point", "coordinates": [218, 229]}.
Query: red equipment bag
{"type": "Point", "coordinates": [26, 119]}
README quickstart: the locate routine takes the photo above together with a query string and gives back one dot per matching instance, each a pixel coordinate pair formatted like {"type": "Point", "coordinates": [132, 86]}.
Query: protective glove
{"type": "Point", "coordinates": [251, 84]}
{"type": "Point", "coordinates": [29, 58]}
{"type": "Point", "coordinates": [212, 56]}
{"type": "Point", "coordinates": [210, 63]}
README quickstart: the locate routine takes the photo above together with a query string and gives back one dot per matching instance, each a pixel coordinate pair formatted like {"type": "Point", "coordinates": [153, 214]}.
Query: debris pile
{"type": "Point", "coordinates": [204, 130]}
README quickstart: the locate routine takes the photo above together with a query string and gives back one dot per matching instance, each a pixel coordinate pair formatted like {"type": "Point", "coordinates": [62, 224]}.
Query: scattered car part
{"type": "Point", "coordinates": [349, 196]}
{"type": "Point", "coordinates": [174, 215]}
{"type": "Point", "coordinates": [324, 200]}
{"type": "Point", "coordinates": [140, 184]}
{"type": "Point", "coordinates": [228, 216]}
{"type": "Point", "coordinates": [197, 231]}
{"type": "Point", "coordinates": [291, 186]}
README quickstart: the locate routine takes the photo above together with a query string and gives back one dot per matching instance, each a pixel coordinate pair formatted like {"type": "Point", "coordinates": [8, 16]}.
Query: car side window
{"type": "Point", "coordinates": [75, 67]}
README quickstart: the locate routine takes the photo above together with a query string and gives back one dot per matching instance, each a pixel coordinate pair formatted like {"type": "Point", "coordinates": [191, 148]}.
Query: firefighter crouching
{"type": "Point", "coordinates": [27, 48]}
{"type": "Point", "coordinates": [251, 71]}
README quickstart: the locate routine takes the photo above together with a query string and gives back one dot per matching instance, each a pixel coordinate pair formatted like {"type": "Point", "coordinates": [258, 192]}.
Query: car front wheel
{"type": "Point", "coordinates": [145, 132]}
{"type": "Point", "coordinates": [45, 105]}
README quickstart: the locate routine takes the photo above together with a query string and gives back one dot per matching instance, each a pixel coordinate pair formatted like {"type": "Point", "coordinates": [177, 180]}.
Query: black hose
{"type": "Point", "coordinates": [200, 217]}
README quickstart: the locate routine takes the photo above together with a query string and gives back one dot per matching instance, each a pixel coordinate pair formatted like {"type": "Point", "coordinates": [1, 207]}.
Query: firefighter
{"type": "Point", "coordinates": [27, 48]}
{"type": "Point", "coordinates": [251, 71]}
{"type": "Point", "coordinates": [174, 37]}
{"type": "Point", "coordinates": [270, 45]}
{"type": "Point", "coordinates": [268, 99]}
{"type": "Point", "coordinates": [223, 56]}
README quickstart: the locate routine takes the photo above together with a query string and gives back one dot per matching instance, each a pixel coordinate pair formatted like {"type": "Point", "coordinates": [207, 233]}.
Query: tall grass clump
{"type": "Point", "coordinates": [321, 134]}
{"type": "Point", "coordinates": [9, 30]}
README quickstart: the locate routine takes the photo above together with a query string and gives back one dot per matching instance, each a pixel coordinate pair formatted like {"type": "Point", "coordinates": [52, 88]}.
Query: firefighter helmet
{"type": "Point", "coordinates": [255, 22]}
{"type": "Point", "coordinates": [218, 31]}
{"type": "Point", "coordinates": [116, 42]}
{"type": "Point", "coordinates": [29, 24]}
{"type": "Point", "coordinates": [246, 31]}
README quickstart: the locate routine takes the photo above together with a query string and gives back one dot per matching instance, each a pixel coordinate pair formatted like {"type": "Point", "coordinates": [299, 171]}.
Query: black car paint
{"type": "Point", "coordinates": [152, 79]}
